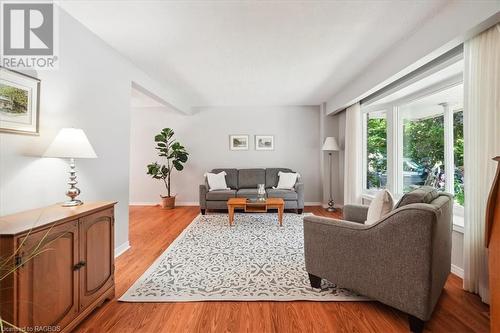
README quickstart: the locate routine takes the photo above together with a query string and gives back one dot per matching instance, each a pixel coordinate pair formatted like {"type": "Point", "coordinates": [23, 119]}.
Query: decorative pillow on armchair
{"type": "Point", "coordinates": [380, 206]}
{"type": "Point", "coordinates": [287, 180]}
{"type": "Point", "coordinates": [217, 181]}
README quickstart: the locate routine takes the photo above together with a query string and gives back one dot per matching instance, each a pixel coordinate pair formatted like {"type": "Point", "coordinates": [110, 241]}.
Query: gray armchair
{"type": "Point", "coordinates": [403, 260]}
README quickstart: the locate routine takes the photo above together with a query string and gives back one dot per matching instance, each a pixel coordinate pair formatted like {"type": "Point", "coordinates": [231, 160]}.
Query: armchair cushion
{"type": "Point", "coordinates": [424, 194]}
{"type": "Point", "coordinates": [380, 206]}
{"type": "Point", "coordinates": [355, 213]}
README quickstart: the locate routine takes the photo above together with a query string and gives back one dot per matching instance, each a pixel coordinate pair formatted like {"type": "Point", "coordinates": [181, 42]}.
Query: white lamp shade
{"type": "Point", "coordinates": [330, 144]}
{"type": "Point", "coordinates": [70, 143]}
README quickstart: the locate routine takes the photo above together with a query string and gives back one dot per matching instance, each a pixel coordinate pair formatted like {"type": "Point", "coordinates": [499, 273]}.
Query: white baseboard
{"type": "Point", "coordinates": [120, 249]}
{"type": "Point", "coordinates": [325, 205]}
{"type": "Point", "coordinates": [195, 203]}
{"type": "Point", "coordinates": [457, 271]}
{"type": "Point", "coordinates": [143, 204]}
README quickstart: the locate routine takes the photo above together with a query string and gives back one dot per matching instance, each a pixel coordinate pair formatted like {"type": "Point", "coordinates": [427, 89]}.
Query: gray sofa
{"type": "Point", "coordinates": [403, 260]}
{"type": "Point", "coordinates": [243, 184]}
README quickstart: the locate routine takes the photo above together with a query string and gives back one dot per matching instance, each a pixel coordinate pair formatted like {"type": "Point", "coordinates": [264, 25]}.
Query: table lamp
{"type": "Point", "coordinates": [71, 143]}
{"type": "Point", "coordinates": [330, 145]}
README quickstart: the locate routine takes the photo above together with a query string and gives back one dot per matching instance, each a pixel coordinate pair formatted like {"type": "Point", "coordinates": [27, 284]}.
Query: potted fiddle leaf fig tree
{"type": "Point", "coordinates": [175, 155]}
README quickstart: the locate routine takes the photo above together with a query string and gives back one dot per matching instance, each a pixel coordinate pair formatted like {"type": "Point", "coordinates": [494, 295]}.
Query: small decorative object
{"type": "Point", "coordinates": [261, 192]}
{"type": "Point", "coordinates": [330, 145]}
{"type": "Point", "coordinates": [176, 155]}
{"type": "Point", "coordinates": [264, 142]}
{"type": "Point", "coordinates": [71, 143]}
{"type": "Point", "coordinates": [238, 142]}
{"type": "Point", "coordinates": [19, 100]}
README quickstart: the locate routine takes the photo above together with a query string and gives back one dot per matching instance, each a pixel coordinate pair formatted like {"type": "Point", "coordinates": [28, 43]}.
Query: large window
{"type": "Point", "coordinates": [415, 137]}
{"type": "Point", "coordinates": [376, 150]}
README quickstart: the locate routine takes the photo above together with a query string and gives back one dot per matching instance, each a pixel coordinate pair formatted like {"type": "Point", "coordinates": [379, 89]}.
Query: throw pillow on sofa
{"type": "Point", "coordinates": [287, 180]}
{"type": "Point", "coordinates": [217, 181]}
{"type": "Point", "coordinates": [380, 206]}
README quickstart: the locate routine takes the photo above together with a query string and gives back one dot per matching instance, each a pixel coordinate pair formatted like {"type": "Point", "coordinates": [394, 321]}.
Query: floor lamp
{"type": "Point", "coordinates": [330, 145]}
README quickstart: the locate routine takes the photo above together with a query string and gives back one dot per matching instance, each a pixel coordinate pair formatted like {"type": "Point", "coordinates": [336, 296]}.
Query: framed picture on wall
{"type": "Point", "coordinates": [19, 102]}
{"type": "Point", "coordinates": [264, 142]}
{"type": "Point", "coordinates": [238, 142]}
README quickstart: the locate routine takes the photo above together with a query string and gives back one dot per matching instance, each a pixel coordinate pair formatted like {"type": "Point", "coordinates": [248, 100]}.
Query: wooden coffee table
{"type": "Point", "coordinates": [255, 207]}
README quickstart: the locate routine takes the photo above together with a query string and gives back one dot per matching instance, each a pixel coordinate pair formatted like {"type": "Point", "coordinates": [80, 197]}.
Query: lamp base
{"type": "Point", "coordinates": [331, 207]}
{"type": "Point", "coordinates": [72, 203]}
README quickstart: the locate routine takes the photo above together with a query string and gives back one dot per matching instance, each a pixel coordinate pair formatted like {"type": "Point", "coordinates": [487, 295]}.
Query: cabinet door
{"type": "Point", "coordinates": [47, 284]}
{"type": "Point", "coordinates": [97, 254]}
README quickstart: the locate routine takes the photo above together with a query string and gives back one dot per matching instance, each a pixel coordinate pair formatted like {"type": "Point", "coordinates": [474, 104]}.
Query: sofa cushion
{"type": "Point", "coordinates": [287, 180]}
{"type": "Point", "coordinates": [249, 178]}
{"type": "Point", "coordinates": [221, 195]}
{"type": "Point", "coordinates": [247, 193]}
{"type": "Point", "coordinates": [231, 177]}
{"type": "Point", "coordinates": [380, 206]}
{"type": "Point", "coordinates": [272, 177]}
{"type": "Point", "coordinates": [217, 181]}
{"type": "Point", "coordinates": [279, 193]}
{"type": "Point", "coordinates": [424, 194]}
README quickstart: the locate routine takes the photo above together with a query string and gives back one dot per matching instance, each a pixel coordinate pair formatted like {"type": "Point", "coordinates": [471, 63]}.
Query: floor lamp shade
{"type": "Point", "coordinates": [330, 144]}
{"type": "Point", "coordinates": [71, 143]}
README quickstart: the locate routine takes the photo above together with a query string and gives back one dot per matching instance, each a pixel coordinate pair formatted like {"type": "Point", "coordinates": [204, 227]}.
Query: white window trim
{"type": "Point", "coordinates": [395, 147]}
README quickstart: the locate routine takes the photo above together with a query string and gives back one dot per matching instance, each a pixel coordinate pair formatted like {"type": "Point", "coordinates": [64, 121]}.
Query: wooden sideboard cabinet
{"type": "Point", "coordinates": [73, 274]}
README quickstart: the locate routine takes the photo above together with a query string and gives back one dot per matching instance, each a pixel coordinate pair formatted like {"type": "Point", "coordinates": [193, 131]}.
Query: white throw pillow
{"type": "Point", "coordinates": [380, 206]}
{"type": "Point", "coordinates": [287, 180]}
{"type": "Point", "coordinates": [217, 181]}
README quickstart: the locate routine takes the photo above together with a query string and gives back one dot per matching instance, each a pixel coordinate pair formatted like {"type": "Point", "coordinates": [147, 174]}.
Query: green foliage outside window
{"type": "Point", "coordinates": [423, 145]}
{"type": "Point", "coordinates": [377, 152]}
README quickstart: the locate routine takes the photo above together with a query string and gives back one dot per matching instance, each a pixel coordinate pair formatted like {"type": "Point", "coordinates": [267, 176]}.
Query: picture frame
{"type": "Point", "coordinates": [264, 142]}
{"type": "Point", "coordinates": [238, 142]}
{"type": "Point", "coordinates": [19, 103]}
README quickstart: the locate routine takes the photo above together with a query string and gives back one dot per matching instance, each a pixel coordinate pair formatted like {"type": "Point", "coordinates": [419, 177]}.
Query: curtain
{"type": "Point", "coordinates": [352, 155]}
{"type": "Point", "coordinates": [481, 144]}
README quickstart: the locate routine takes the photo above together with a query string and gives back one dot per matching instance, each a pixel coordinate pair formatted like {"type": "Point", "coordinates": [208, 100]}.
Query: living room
{"type": "Point", "coordinates": [302, 151]}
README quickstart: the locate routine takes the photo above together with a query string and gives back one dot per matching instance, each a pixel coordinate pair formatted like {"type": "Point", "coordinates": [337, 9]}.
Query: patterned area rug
{"type": "Point", "coordinates": [254, 260]}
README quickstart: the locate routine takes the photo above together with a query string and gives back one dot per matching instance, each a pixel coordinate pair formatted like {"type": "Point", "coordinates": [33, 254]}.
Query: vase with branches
{"type": "Point", "coordinates": [175, 155]}
{"type": "Point", "coordinates": [8, 266]}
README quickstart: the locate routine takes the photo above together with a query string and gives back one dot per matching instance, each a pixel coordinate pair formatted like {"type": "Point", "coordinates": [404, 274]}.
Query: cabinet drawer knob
{"type": "Point", "coordinates": [79, 265]}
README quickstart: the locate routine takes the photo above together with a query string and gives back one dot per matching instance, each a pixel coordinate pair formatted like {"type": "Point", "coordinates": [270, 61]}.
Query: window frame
{"type": "Point", "coordinates": [395, 143]}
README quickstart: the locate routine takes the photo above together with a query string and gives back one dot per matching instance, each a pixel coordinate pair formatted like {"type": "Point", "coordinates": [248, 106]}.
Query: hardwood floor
{"type": "Point", "coordinates": [153, 229]}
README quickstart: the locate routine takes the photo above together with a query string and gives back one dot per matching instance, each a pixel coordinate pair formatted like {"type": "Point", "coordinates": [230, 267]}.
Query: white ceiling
{"type": "Point", "coordinates": [247, 53]}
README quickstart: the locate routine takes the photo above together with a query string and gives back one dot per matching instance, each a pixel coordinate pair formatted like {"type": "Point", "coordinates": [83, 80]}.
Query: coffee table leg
{"type": "Point", "coordinates": [231, 215]}
{"type": "Point", "coordinates": [280, 214]}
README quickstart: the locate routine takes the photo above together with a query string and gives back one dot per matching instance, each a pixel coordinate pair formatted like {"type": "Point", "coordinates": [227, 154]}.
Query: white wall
{"type": "Point", "coordinates": [205, 135]}
{"type": "Point", "coordinates": [91, 90]}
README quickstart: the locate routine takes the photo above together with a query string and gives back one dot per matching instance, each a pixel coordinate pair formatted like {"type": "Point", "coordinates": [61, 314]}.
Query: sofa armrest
{"type": "Point", "coordinates": [203, 196]}
{"type": "Point", "coordinates": [355, 213]}
{"type": "Point", "coordinates": [299, 188]}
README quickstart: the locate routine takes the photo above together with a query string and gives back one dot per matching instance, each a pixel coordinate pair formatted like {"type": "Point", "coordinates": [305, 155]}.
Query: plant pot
{"type": "Point", "coordinates": [167, 202]}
